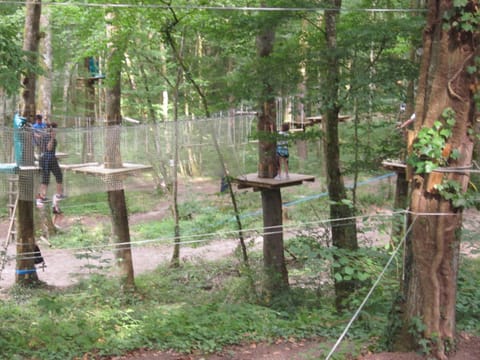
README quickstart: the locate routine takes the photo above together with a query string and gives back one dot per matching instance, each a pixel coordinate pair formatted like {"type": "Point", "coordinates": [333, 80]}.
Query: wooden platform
{"type": "Point", "coordinates": [13, 168]}
{"type": "Point", "coordinates": [74, 166]}
{"type": "Point", "coordinates": [394, 165]}
{"type": "Point", "coordinates": [312, 120]}
{"type": "Point", "coordinates": [61, 155]}
{"type": "Point", "coordinates": [258, 184]}
{"type": "Point", "coordinates": [9, 168]}
{"type": "Point", "coordinates": [100, 170]}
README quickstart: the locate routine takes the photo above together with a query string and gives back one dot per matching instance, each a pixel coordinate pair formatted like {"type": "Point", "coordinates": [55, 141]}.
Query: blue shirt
{"type": "Point", "coordinates": [37, 126]}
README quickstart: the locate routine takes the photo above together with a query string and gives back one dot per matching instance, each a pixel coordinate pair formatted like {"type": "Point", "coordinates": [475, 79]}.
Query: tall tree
{"type": "Point", "coordinates": [25, 270]}
{"type": "Point", "coordinates": [273, 249]}
{"type": "Point", "coordinates": [447, 88]}
{"type": "Point", "coordinates": [46, 51]}
{"type": "Point", "coordinates": [116, 193]}
{"type": "Point", "coordinates": [344, 233]}
{"type": "Point", "coordinates": [184, 70]}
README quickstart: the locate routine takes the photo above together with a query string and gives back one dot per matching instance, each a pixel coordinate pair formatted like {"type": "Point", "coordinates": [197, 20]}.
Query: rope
{"type": "Point", "coordinates": [4, 257]}
{"type": "Point", "coordinates": [216, 8]}
{"type": "Point", "coordinates": [203, 236]}
{"type": "Point", "coordinates": [355, 315]}
{"type": "Point", "coordinates": [350, 186]}
{"type": "Point", "coordinates": [430, 214]}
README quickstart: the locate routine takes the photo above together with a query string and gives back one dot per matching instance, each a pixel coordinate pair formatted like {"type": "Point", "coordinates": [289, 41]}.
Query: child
{"type": "Point", "coordinates": [49, 163]}
{"type": "Point", "coordinates": [282, 151]}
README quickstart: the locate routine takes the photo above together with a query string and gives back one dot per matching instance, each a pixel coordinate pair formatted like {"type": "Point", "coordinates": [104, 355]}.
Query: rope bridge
{"type": "Point", "coordinates": [85, 151]}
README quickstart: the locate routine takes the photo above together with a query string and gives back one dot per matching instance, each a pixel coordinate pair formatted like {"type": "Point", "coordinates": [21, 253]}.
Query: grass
{"type": "Point", "coordinates": [160, 315]}
{"type": "Point", "coordinates": [192, 308]}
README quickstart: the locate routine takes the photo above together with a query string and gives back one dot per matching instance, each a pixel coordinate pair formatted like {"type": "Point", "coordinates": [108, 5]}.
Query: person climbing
{"type": "Point", "coordinates": [49, 164]}
{"type": "Point", "coordinates": [282, 151]}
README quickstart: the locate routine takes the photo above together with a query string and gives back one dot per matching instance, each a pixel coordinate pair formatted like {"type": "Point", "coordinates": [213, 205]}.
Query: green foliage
{"type": "Point", "coordinates": [417, 329]}
{"type": "Point", "coordinates": [66, 325]}
{"type": "Point", "coordinates": [13, 61]}
{"type": "Point", "coordinates": [361, 265]}
{"type": "Point", "coordinates": [462, 17]}
{"type": "Point", "coordinates": [428, 149]}
{"type": "Point", "coordinates": [377, 140]}
{"type": "Point", "coordinates": [451, 190]}
{"type": "Point", "coordinates": [468, 299]}
{"type": "Point", "coordinates": [207, 306]}
{"type": "Point", "coordinates": [80, 236]}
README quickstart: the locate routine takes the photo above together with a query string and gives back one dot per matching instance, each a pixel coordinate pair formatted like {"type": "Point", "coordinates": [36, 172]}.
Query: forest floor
{"type": "Point", "coordinates": [63, 269]}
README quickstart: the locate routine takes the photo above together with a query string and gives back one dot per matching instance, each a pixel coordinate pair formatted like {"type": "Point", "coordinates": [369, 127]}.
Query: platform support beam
{"type": "Point", "coordinates": [273, 252]}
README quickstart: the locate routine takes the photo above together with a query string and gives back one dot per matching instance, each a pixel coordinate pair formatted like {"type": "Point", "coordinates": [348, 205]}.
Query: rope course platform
{"type": "Point", "coordinates": [258, 184]}
{"type": "Point", "coordinates": [312, 120]}
{"type": "Point", "coordinates": [395, 165]}
{"type": "Point", "coordinates": [9, 168]}
{"type": "Point", "coordinates": [13, 168]}
{"type": "Point", "coordinates": [100, 169]}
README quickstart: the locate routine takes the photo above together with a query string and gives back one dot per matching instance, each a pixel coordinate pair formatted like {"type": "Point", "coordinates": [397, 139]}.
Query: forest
{"type": "Point", "coordinates": [175, 224]}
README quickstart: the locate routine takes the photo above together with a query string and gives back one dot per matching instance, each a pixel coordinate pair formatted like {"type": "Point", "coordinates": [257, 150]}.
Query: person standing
{"type": "Point", "coordinates": [282, 151]}
{"type": "Point", "coordinates": [39, 124]}
{"type": "Point", "coordinates": [38, 130]}
{"type": "Point", "coordinates": [49, 163]}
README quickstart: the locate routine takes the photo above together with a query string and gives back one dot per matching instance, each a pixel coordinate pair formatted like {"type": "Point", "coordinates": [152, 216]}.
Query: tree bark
{"type": "Point", "coordinates": [47, 55]}
{"type": "Point", "coordinates": [116, 194]}
{"type": "Point", "coordinates": [344, 233]}
{"type": "Point", "coordinates": [273, 249]}
{"type": "Point", "coordinates": [433, 244]}
{"type": "Point", "coordinates": [276, 275]}
{"type": "Point", "coordinates": [267, 164]}
{"type": "Point", "coordinates": [88, 154]}
{"type": "Point", "coordinates": [25, 268]}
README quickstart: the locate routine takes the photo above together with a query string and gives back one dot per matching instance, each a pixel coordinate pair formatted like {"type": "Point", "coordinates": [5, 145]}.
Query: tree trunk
{"type": "Point", "coordinates": [116, 195]}
{"type": "Point", "coordinates": [186, 72]}
{"type": "Point", "coordinates": [25, 268]}
{"type": "Point", "coordinates": [273, 250]}
{"type": "Point", "coordinates": [267, 164]}
{"type": "Point", "coordinates": [175, 261]}
{"type": "Point", "coordinates": [433, 245]}
{"type": "Point", "coordinates": [276, 276]}
{"type": "Point", "coordinates": [47, 55]}
{"type": "Point", "coordinates": [344, 233]}
{"type": "Point", "coordinates": [88, 154]}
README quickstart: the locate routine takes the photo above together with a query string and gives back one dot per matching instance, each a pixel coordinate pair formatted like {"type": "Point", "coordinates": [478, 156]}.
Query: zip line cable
{"type": "Point", "coordinates": [217, 8]}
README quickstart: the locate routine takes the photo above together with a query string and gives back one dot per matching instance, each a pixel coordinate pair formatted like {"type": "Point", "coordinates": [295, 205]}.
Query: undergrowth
{"type": "Point", "coordinates": [205, 306]}
{"type": "Point", "coordinates": [202, 308]}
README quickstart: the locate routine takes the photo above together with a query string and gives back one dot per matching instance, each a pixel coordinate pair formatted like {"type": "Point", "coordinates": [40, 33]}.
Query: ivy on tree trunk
{"type": "Point", "coordinates": [432, 247]}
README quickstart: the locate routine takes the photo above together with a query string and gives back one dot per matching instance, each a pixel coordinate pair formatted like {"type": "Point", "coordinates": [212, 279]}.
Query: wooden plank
{"type": "Point", "coordinates": [100, 170]}
{"type": "Point", "coordinates": [398, 166]}
{"type": "Point", "coordinates": [257, 183]}
{"type": "Point", "coordinates": [9, 168]}
{"type": "Point", "coordinates": [74, 166]}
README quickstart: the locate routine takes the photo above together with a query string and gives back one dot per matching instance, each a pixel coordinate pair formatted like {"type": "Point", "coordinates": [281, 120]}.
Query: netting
{"type": "Point", "coordinates": [103, 158]}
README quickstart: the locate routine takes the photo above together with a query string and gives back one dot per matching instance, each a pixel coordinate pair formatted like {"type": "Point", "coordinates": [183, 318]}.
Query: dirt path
{"type": "Point", "coordinates": [468, 349]}
{"type": "Point", "coordinates": [65, 267]}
